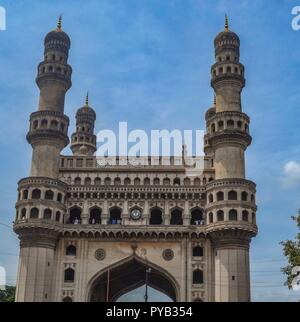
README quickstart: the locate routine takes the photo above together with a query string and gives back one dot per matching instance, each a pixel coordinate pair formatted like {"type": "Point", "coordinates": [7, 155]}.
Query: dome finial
{"type": "Point", "coordinates": [59, 23]}
{"type": "Point", "coordinates": [226, 23]}
{"type": "Point", "coordinates": [87, 100]}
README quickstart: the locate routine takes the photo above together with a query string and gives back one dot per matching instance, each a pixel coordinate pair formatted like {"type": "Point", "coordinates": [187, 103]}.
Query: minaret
{"type": "Point", "coordinates": [230, 197]}
{"type": "Point", "coordinates": [40, 207]}
{"type": "Point", "coordinates": [84, 140]}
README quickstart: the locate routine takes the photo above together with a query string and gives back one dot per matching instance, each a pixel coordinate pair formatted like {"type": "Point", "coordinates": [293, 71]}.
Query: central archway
{"type": "Point", "coordinates": [127, 276]}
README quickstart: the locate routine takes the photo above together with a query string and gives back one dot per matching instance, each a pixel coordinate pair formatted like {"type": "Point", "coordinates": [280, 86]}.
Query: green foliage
{"type": "Point", "coordinates": [291, 249]}
{"type": "Point", "coordinates": [8, 295]}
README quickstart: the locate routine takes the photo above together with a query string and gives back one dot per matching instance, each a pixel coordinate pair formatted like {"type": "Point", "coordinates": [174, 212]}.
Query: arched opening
{"type": "Point", "coordinates": [146, 181]}
{"type": "Point", "coordinates": [197, 182]}
{"type": "Point", "coordinates": [176, 217]}
{"type": "Point", "coordinates": [232, 195]}
{"type": "Point", "coordinates": [211, 217]}
{"type": "Point", "coordinates": [220, 215]}
{"type": "Point", "coordinates": [244, 196]}
{"type": "Point", "coordinates": [127, 181]}
{"type": "Point", "coordinates": [47, 214]}
{"type": "Point", "coordinates": [107, 181]}
{"type": "Point", "coordinates": [115, 216]}
{"type": "Point", "coordinates": [77, 181]}
{"type": "Point", "coordinates": [233, 215]}
{"type": "Point", "coordinates": [95, 216]}
{"type": "Point", "coordinates": [211, 197]}
{"type": "Point", "coordinates": [25, 194]}
{"type": "Point", "coordinates": [156, 217]}
{"type": "Point", "coordinates": [198, 251]}
{"type": "Point", "coordinates": [137, 182]}
{"type": "Point", "coordinates": [34, 213]}
{"type": "Point", "coordinates": [197, 217]}
{"type": "Point", "coordinates": [59, 197]}
{"type": "Point", "coordinates": [36, 194]}
{"type": "Point", "coordinates": [75, 216]}
{"type": "Point", "coordinates": [87, 181]}
{"type": "Point", "coordinates": [49, 195]}
{"type": "Point", "coordinates": [156, 181]}
{"type": "Point", "coordinates": [69, 275]}
{"type": "Point", "coordinates": [166, 182]}
{"type": "Point", "coordinates": [245, 215]}
{"type": "Point", "coordinates": [97, 182]}
{"type": "Point", "coordinates": [129, 276]}
{"type": "Point", "coordinates": [198, 277]}
{"type": "Point", "coordinates": [71, 250]}
{"type": "Point", "coordinates": [176, 182]}
{"type": "Point", "coordinates": [57, 216]}
{"type": "Point", "coordinates": [23, 213]}
{"type": "Point", "coordinates": [220, 196]}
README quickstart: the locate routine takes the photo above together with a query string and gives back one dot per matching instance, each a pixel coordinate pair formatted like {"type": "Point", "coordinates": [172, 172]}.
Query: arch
{"type": "Point", "coordinates": [107, 181]}
{"type": "Point", "coordinates": [25, 194]}
{"type": "Point", "coordinates": [211, 217]}
{"type": "Point", "coordinates": [176, 217]}
{"type": "Point", "coordinates": [230, 123]}
{"type": "Point", "coordinates": [75, 216]}
{"type": "Point", "coordinates": [220, 215]}
{"type": "Point", "coordinates": [67, 299]}
{"type": "Point", "coordinates": [127, 181]}
{"type": "Point", "coordinates": [213, 128]}
{"type": "Point", "coordinates": [210, 197]}
{"type": "Point", "coordinates": [233, 215]}
{"type": "Point", "coordinates": [23, 213]}
{"type": "Point", "coordinates": [220, 125]}
{"type": "Point", "coordinates": [49, 195]}
{"type": "Point", "coordinates": [117, 181]}
{"type": "Point", "coordinates": [57, 216]}
{"type": "Point", "coordinates": [197, 182]}
{"type": "Point", "coordinates": [48, 214]}
{"type": "Point", "coordinates": [137, 182]}
{"type": "Point", "coordinates": [34, 213]}
{"type": "Point", "coordinates": [69, 275]}
{"type": "Point", "coordinates": [198, 276]}
{"type": "Point", "coordinates": [95, 216]}
{"type": "Point", "coordinates": [115, 216]}
{"type": "Point", "coordinates": [232, 195]}
{"type": "Point", "coordinates": [44, 123]}
{"type": "Point", "coordinates": [176, 182]}
{"type": "Point", "coordinates": [220, 196]}
{"type": "Point", "coordinates": [54, 125]}
{"type": "Point", "coordinates": [59, 197]}
{"type": "Point", "coordinates": [156, 181]}
{"type": "Point", "coordinates": [36, 194]}
{"type": "Point", "coordinates": [156, 217]}
{"type": "Point", "coordinates": [245, 215]}
{"type": "Point", "coordinates": [128, 275]}
{"type": "Point", "coordinates": [147, 181]}
{"type": "Point", "coordinates": [71, 250]}
{"type": "Point", "coordinates": [187, 181]}
{"type": "Point", "coordinates": [197, 217]}
{"type": "Point", "coordinates": [166, 181]}
{"type": "Point", "coordinates": [97, 181]}
{"type": "Point", "coordinates": [244, 196]}
{"type": "Point", "coordinates": [77, 181]}
{"type": "Point", "coordinates": [198, 251]}
{"type": "Point", "coordinates": [87, 181]}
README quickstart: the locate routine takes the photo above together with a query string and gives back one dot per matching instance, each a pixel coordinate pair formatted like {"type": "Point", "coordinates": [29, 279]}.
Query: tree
{"type": "Point", "coordinates": [291, 249]}
{"type": "Point", "coordinates": [8, 295]}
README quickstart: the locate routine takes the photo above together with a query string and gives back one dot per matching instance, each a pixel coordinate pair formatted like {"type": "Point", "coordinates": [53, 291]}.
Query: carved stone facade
{"type": "Point", "coordinates": [89, 232]}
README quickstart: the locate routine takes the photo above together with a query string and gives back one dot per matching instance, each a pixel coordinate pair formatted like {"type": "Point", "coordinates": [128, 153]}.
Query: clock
{"type": "Point", "coordinates": [135, 214]}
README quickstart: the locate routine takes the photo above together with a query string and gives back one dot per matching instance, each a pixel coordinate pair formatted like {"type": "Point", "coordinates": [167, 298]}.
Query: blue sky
{"type": "Point", "coordinates": [148, 62]}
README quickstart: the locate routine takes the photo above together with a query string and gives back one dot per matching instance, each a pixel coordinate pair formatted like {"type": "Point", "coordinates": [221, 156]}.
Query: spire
{"type": "Point", "coordinates": [87, 100]}
{"type": "Point", "coordinates": [59, 23]}
{"type": "Point", "coordinates": [226, 23]}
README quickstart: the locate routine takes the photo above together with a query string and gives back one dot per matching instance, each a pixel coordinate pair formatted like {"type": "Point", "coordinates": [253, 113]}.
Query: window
{"type": "Point", "coordinates": [146, 181]}
{"type": "Point", "coordinates": [54, 125]}
{"type": "Point", "coordinates": [220, 215]}
{"type": "Point", "coordinates": [36, 194]}
{"type": "Point", "coordinates": [115, 216]}
{"type": "Point", "coordinates": [137, 181]}
{"type": "Point", "coordinates": [97, 182]}
{"type": "Point", "coordinates": [197, 217]}
{"type": "Point", "coordinates": [221, 125]}
{"type": "Point", "coordinates": [156, 181]}
{"type": "Point", "coordinates": [230, 123]}
{"type": "Point", "coordinates": [176, 182]}
{"type": "Point", "coordinates": [245, 215]}
{"type": "Point", "coordinates": [156, 217]}
{"type": "Point", "coordinates": [25, 194]}
{"type": "Point", "coordinates": [87, 181]}
{"type": "Point", "coordinates": [69, 275]}
{"type": "Point", "coordinates": [211, 198]}
{"type": "Point", "coordinates": [107, 181]}
{"type": "Point", "coordinates": [127, 181]}
{"type": "Point", "coordinates": [23, 213]}
{"type": "Point", "coordinates": [34, 213]}
{"type": "Point", "coordinates": [166, 182]}
{"type": "Point", "coordinates": [176, 217]}
{"type": "Point", "coordinates": [213, 128]}
{"type": "Point", "coordinates": [47, 214]}
{"type": "Point", "coordinates": [44, 123]}
{"type": "Point", "coordinates": [77, 181]}
{"type": "Point", "coordinates": [244, 196]}
{"type": "Point", "coordinates": [57, 216]}
{"type": "Point", "coordinates": [117, 181]}
{"type": "Point", "coordinates": [95, 216]}
{"type": "Point", "coordinates": [49, 195]}
{"type": "Point", "coordinates": [220, 196]}
{"type": "Point", "coordinates": [233, 216]}
{"type": "Point", "coordinates": [35, 124]}
{"type": "Point", "coordinates": [71, 250]}
{"type": "Point", "coordinates": [197, 182]}
{"type": "Point", "coordinates": [75, 216]}
{"type": "Point", "coordinates": [59, 197]}
{"type": "Point", "coordinates": [187, 182]}
{"type": "Point", "coordinates": [211, 217]}
{"type": "Point", "coordinates": [232, 195]}
{"type": "Point", "coordinates": [198, 251]}
{"type": "Point", "coordinates": [198, 277]}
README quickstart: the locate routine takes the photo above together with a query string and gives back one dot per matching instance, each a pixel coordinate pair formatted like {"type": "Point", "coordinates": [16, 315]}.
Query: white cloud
{"type": "Point", "coordinates": [291, 172]}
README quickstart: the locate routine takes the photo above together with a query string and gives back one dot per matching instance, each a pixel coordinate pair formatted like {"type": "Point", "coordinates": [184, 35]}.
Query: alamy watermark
{"type": "Point", "coordinates": [296, 278]}
{"type": "Point", "coordinates": [159, 147]}
{"type": "Point", "coordinates": [2, 19]}
{"type": "Point", "coordinates": [2, 278]}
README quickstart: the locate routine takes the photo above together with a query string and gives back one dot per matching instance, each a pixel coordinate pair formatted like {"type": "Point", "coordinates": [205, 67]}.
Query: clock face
{"type": "Point", "coordinates": [136, 214]}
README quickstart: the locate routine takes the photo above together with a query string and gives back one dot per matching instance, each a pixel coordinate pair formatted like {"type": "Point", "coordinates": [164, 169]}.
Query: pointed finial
{"type": "Point", "coordinates": [59, 23]}
{"type": "Point", "coordinates": [87, 100]}
{"type": "Point", "coordinates": [226, 23]}
{"type": "Point", "coordinates": [215, 100]}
